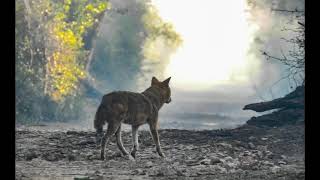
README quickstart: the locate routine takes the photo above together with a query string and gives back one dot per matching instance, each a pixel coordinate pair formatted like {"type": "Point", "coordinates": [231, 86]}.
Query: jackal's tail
{"type": "Point", "coordinates": [99, 119]}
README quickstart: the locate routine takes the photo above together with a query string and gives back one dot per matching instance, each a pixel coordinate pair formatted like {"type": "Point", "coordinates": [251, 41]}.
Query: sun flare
{"type": "Point", "coordinates": [216, 38]}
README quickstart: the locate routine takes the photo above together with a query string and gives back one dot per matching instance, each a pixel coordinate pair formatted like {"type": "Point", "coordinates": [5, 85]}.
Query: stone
{"type": "Point", "coordinates": [138, 172]}
{"type": "Point", "coordinates": [260, 154]}
{"type": "Point", "coordinates": [225, 145]}
{"type": "Point", "coordinates": [275, 169]}
{"type": "Point", "coordinates": [269, 154]}
{"type": "Point", "coordinates": [31, 155]}
{"type": "Point", "coordinates": [71, 157]}
{"type": "Point", "coordinates": [50, 157]}
{"type": "Point", "coordinates": [228, 159]}
{"type": "Point", "coordinates": [222, 169]}
{"type": "Point", "coordinates": [149, 164]}
{"type": "Point", "coordinates": [282, 163]}
{"type": "Point", "coordinates": [246, 153]}
{"type": "Point", "coordinates": [180, 173]}
{"type": "Point", "coordinates": [205, 161]}
{"type": "Point", "coordinates": [284, 157]}
{"type": "Point", "coordinates": [251, 145]}
{"type": "Point", "coordinates": [82, 178]}
{"type": "Point", "coordinates": [214, 160]}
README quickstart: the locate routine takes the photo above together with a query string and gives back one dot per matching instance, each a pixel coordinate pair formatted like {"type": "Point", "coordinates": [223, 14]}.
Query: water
{"type": "Point", "coordinates": [187, 121]}
{"type": "Point", "coordinates": [192, 123]}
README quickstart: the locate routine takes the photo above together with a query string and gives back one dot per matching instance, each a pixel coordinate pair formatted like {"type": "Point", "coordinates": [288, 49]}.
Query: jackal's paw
{"type": "Point", "coordinates": [102, 156]}
{"type": "Point", "coordinates": [133, 154]}
{"type": "Point", "coordinates": [98, 140]}
{"type": "Point", "coordinates": [162, 155]}
{"type": "Point", "coordinates": [130, 157]}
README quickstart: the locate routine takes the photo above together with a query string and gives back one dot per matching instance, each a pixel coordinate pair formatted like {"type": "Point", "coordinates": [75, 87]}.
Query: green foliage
{"type": "Point", "coordinates": [69, 26]}
{"type": "Point", "coordinates": [50, 57]}
{"type": "Point", "coordinates": [53, 40]}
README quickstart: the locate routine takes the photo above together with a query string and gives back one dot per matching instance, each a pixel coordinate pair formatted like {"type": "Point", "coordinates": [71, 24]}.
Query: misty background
{"type": "Point", "coordinates": [219, 107]}
{"type": "Point", "coordinates": [119, 63]}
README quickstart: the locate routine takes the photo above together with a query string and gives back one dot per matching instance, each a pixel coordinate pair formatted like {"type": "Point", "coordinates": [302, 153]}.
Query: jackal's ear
{"type": "Point", "coordinates": [154, 81]}
{"type": "Point", "coordinates": [166, 82]}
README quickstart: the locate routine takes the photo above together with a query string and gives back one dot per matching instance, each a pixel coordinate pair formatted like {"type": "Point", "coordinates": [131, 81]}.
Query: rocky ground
{"type": "Point", "coordinates": [247, 152]}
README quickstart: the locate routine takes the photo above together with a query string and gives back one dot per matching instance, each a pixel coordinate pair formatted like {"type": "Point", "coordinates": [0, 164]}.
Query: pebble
{"type": "Point", "coordinates": [82, 178]}
{"type": "Point", "coordinates": [275, 169]}
{"type": "Point", "coordinates": [282, 163]}
{"type": "Point", "coordinates": [251, 145]}
{"type": "Point", "coordinates": [225, 145]}
{"type": "Point", "coordinates": [138, 172]}
{"type": "Point", "coordinates": [228, 159]}
{"type": "Point", "coordinates": [246, 153]}
{"type": "Point", "coordinates": [71, 157]}
{"type": "Point", "coordinates": [214, 160]}
{"type": "Point", "coordinates": [31, 155]}
{"type": "Point", "coordinates": [149, 164]}
{"type": "Point", "coordinates": [283, 157]}
{"type": "Point", "coordinates": [268, 163]}
{"type": "Point", "coordinates": [205, 161]}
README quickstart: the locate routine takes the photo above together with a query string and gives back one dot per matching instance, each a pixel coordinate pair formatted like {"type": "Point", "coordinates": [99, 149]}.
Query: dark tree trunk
{"type": "Point", "coordinates": [293, 100]}
{"type": "Point", "coordinates": [291, 110]}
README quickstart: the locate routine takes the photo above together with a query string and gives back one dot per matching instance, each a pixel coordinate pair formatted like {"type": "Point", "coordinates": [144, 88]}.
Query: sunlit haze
{"type": "Point", "coordinates": [216, 38]}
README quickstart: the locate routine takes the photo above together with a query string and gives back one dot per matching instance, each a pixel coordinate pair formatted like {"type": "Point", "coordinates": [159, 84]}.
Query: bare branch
{"type": "Point", "coordinates": [288, 11]}
{"type": "Point", "coordinates": [301, 24]}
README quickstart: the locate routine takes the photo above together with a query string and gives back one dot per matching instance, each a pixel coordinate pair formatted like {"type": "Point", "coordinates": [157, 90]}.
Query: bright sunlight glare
{"type": "Point", "coordinates": [216, 38]}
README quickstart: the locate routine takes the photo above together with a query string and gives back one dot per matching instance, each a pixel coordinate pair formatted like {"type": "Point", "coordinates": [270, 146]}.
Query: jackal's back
{"type": "Point", "coordinates": [131, 108]}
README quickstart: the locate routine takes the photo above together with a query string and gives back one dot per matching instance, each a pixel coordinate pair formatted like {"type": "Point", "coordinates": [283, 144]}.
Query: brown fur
{"type": "Point", "coordinates": [132, 108]}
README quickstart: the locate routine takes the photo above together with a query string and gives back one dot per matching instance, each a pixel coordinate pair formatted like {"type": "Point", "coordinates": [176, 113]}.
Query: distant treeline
{"type": "Point", "coordinates": [69, 51]}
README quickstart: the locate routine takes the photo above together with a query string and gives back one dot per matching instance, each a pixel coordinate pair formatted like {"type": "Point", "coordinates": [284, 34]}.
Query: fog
{"type": "Point", "coordinates": [207, 93]}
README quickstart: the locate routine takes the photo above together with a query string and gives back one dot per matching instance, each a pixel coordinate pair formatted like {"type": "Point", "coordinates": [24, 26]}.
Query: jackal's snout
{"type": "Point", "coordinates": [169, 100]}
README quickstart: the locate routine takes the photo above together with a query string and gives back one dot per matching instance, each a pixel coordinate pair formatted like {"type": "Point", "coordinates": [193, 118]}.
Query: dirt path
{"type": "Point", "coordinates": [244, 153]}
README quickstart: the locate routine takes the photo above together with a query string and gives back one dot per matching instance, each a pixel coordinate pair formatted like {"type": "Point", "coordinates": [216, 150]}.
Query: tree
{"type": "Point", "coordinates": [51, 55]}
{"type": "Point", "coordinates": [67, 59]}
{"type": "Point", "coordinates": [160, 43]}
{"type": "Point", "coordinates": [294, 59]}
{"type": "Point", "coordinates": [56, 53]}
{"type": "Point", "coordinates": [290, 108]}
{"type": "Point", "coordinates": [139, 42]}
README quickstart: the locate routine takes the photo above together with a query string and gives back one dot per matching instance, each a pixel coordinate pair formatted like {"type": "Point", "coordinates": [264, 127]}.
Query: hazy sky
{"type": "Point", "coordinates": [223, 42]}
{"type": "Point", "coordinates": [216, 38]}
{"type": "Point", "coordinates": [219, 68]}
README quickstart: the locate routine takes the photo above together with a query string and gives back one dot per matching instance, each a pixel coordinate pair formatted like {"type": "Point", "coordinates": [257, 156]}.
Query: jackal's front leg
{"type": "Point", "coordinates": [135, 141]}
{"type": "Point", "coordinates": [99, 135]}
{"type": "Point", "coordinates": [155, 137]}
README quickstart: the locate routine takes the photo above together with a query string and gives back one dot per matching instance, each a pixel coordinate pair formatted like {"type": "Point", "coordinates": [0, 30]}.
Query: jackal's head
{"type": "Point", "coordinates": [163, 87]}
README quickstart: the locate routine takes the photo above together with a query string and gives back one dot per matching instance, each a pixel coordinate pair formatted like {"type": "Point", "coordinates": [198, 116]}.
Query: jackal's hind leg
{"type": "Point", "coordinates": [135, 141]}
{"type": "Point", "coordinates": [155, 137]}
{"type": "Point", "coordinates": [119, 142]}
{"type": "Point", "coordinates": [99, 135]}
{"type": "Point", "coordinates": [112, 128]}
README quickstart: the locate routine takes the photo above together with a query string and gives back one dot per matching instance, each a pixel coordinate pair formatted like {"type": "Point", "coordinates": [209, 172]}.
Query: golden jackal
{"type": "Point", "coordinates": [135, 109]}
